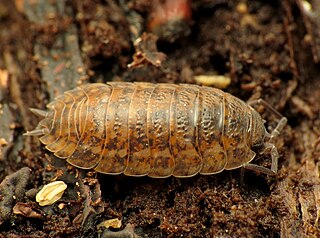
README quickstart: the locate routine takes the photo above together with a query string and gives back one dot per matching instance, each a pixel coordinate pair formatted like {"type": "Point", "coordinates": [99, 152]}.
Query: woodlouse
{"type": "Point", "coordinates": [157, 130]}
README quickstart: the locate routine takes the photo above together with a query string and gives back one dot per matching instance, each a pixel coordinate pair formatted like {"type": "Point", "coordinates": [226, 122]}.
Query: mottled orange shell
{"type": "Point", "coordinates": [157, 130]}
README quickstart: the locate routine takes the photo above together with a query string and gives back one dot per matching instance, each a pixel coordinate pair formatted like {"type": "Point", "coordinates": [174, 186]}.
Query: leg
{"type": "Point", "coordinates": [274, 161]}
{"type": "Point", "coordinates": [282, 121]}
{"type": "Point", "coordinates": [281, 124]}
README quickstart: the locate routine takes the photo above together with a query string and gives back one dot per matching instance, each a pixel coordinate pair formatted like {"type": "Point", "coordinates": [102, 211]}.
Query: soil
{"type": "Point", "coordinates": [269, 50]}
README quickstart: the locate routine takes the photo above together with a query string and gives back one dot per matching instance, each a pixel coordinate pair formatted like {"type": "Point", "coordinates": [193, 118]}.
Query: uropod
{"type": "Point", "coordinates": [156, 130]}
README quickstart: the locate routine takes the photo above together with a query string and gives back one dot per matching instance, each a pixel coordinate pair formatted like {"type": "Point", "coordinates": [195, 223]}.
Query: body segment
{"type": "Point", "coordinates": [157, 130]}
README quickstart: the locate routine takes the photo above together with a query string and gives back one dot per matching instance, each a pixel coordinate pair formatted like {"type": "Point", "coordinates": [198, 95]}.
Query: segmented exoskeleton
{"type": "Point", "coordinates": [157, 130]}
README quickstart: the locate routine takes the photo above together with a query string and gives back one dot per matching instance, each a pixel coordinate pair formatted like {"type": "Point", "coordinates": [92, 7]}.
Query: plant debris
{"type": "Point", "coordinates": [27, 210]}
{"type": "Point", "coordinates": [12, 190]}
{"type": "Point", "coordinates": [113, 223]}
{"type": "Point", "coordinates": [51, 193]}
{"type": "Point", "coordinates": [218, 81]}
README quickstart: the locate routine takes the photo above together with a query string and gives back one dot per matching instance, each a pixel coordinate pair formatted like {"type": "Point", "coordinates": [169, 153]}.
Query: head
{"type": "Point", "coordinates": [257, 130]}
